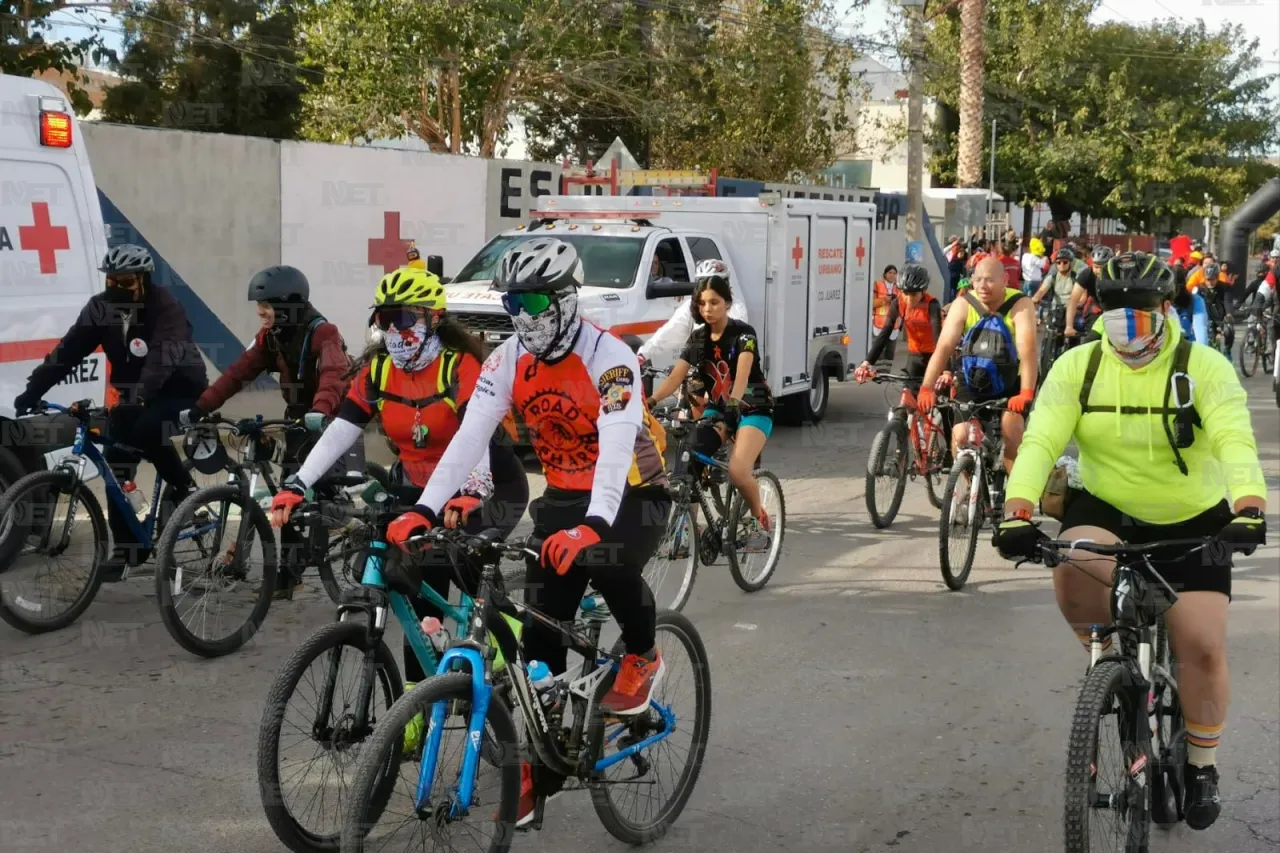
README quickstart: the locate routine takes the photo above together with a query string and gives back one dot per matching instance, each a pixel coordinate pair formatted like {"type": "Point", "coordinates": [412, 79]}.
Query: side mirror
{"type": "Point", "coordinates": [664, 287]}
{"type": "Point", "coordinates": [435, 265]}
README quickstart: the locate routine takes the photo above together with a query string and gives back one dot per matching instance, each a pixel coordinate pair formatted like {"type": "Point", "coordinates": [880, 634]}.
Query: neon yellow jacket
{"type": "Point", "coordinates": [1126, 460]}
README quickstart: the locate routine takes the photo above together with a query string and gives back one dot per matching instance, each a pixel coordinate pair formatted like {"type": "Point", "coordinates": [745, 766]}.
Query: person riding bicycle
{"type": "Point", "coordinates": [420, 381]}
{"type": "Point", "coordinates": [1057, 287]}
{"type": "Point", "coordinates": [1157, 456]}
{"type": "Point", "coordinates": [1263, 288]}
{"type": "Point", "coordinates": [724, 355]}
{"type": "Point", "coordinates": [155, 367]}
{"type": "Point", "coordinates": [605, 508]}
{"type": "Point", "coordinates": [1194, 315]}
{"type": "Point", "coordinates": [921, 316]}
{"type": "Point", "coordinates": [1082, 308]}
{"type": "Point", "coordinates": [997, 340]}
{"type": "Point", "coordinates": [675, 332]}
{"type": "Point", "coordinates": [310, 356]}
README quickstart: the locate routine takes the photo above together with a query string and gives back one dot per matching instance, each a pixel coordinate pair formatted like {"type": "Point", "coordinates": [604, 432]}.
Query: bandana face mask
{"type": "Point", "coordinates": [550, 334]}
{"type": "Point", "coordinates": [1136, 336]}
{"type": "Point", "coordinates": [414, 348]}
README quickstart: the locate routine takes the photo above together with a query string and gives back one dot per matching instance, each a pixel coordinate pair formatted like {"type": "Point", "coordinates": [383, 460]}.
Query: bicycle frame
{"type": "Point", "coordinates": [86, 451]}
{"type": "Point", "coordinates": [982, 448]}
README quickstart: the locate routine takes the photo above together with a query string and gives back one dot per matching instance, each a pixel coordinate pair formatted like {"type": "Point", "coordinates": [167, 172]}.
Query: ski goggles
{"type": "Point", "coordinates": [530, 303]}
{"type": "Point", "coordinates": [401, 318]}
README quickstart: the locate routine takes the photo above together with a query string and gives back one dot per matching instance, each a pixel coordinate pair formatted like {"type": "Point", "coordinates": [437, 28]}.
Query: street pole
{"type": "Point", "coordinates": [991, 175]}
{"type": "Point", "coordinates": [914, 10]}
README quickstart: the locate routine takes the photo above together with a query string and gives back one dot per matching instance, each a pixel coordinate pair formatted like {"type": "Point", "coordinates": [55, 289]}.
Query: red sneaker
{"type": "Point", "coordinates": [634, 684]}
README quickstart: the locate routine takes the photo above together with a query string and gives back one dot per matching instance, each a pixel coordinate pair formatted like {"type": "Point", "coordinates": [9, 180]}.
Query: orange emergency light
{"type": "Point", "coordinates": [55, 128]}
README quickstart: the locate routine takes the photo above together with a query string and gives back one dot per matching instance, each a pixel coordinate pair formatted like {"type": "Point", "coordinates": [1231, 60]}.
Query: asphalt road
{"type": "Point", "coordinates": [858, 705]}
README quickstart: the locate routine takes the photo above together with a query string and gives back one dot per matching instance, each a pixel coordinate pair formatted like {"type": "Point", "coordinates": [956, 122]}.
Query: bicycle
{"type": "Point", "coordinates": [464, 689]}
{"type": "Point", "coordinates": [1257, 347]}
{"type": "Point", "coordinates": [339, 720]}
{"type": "Point", "coordinates": [689, 488]}
{"type": "Point", "coordinates": [30, 526]}
{"type": "Point", "coordinates": [1055, 340]}
{"type": "Point", "coordinates": [907, 446]}
{"type": "Point", "coordinates": [1222, 335]}
{"type": "Point", "coordinates": [965, 509]}
{"type": "Point", "coordinates": [1135, 683]}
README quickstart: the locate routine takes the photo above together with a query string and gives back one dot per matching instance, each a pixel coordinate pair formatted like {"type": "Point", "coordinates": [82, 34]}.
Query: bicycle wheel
{"type": "Point", "coordinates": [619, 789]}
{"type": "Point", "coordinates": [497, 789]}
{"type": "Point", "coordinates": [342, 567]}
{"type": "Point", "coordinates": [887, 474]}
{"type": "Point", "coordinates": [328, 725]}
{"type": "Point", "coordinates": [751, 569]}
{"type": "Point", "coordinates": [1105, 805]}
{"type": "Point", "coordinates": [1168, 744]}
{"type": "Point", "coordinates": [935, 459]}
{"type": "Point", "coordinates": [1268, 354]}
{"type": "Point", "coordinates": [960, 523]}
{"type": "Point", "coordinates": [53, 572]}
{"type": "Point", "coordinates": [198, 578]}
{"type": "Point", "coordinates": [673, 568]}
{"type": "Point", "coordinates": [1249, 352]}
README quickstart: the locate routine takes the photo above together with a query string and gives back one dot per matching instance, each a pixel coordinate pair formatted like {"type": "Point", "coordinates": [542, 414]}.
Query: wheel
{"type": "Point", "coordinates": [935, 459]}
{"type": "Point", "coordinates": [36, 534]}
{"type": "Point", "coordinates": [960, 522]}
{"type": "Point", "coordinates": [671, 576]}
{"type": "Point", "coordinates": [343, 565]}
{"type": "Point", "coordinates": [336, 745]}
{"type": "Point", "coordinates": [887, 474]}
{"type": "Point", "coordinates": [616, 802]}
{"type": "Point", "coordinates": [492, 811]}
{"type": "Point", "coordinates": [1105, 804]}
{"type": "Point", "coordinates": [1249, 352]}
{"type": "Point", "coordinates": [218, 578]}
{"type": "Point", "coordinates": [1268, 354]}
{"type": "Point", "coordinates": [813, 406]}
{"type": "Point", "coordinates": [1169, 747]}
{"type": "Point", "coordinates": [746, 577]}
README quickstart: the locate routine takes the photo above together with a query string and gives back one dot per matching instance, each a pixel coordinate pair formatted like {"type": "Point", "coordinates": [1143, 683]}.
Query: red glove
{"type": "Point", "coordinates": [1018, 405]}
{"type": "Point", "coordinates": [283, 505]}
{"type": "Point", "coordinates": [863, 372]}
{"type": "Point", "coordinates": [926, 399]}
{"type": "Point", "coordinates": [464, 505]}
{"type": "Point", "coordinates": [561, 549]}
{"type": "Point", "coordinates": [412, 523]}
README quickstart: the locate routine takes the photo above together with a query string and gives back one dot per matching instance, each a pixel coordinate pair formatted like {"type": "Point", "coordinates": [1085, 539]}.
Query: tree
{"type": "Point", "coordinates": [25, 51]}
{"type": "Point", "coordinates": [225, 66]}
{"type": "Point", "coordinates": [973, 14]}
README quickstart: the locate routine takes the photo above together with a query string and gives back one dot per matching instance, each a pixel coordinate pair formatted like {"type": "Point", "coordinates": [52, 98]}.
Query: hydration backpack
{"type": "Point", "coordinates": [988, 354]}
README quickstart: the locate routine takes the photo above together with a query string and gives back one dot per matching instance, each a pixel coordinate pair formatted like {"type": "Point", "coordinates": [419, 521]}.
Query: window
{"type": "Point", "coordinates": [606, 261]}
{"type": "Point", "coordinates": [704, 249]}
{"type": "Point", "coordinates": [671, 262]}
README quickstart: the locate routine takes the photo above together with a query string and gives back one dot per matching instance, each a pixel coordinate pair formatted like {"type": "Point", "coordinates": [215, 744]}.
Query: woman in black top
{"type": "Point", "coordinates": [724, 357]}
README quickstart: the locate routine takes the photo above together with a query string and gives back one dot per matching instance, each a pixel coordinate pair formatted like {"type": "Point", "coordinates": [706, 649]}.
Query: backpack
{"type": "Point", "coordinates": [1185, 417]}
{"type": "Point", "coordinates": [446, 382]}
{"type": "Point", "coordinates": [988, 352]}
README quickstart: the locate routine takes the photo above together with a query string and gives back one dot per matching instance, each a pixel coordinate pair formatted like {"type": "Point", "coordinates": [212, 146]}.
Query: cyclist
{"type": "Point", "coordinates": [1149, 477]}
{"type": "Point", "coordinates": [419, 380]}
{"type": "Point", "coordinates": [997, 359]}
{"type": "Point", "coordinates": [921, 316]}
{"type": "Point", "coordinates": [1193, 314]}
{"type": "Point", "coordinates": [724, 355]}
{"type": "Point", "coordinates": [1060, 280]}
{"type": "Point", "coordinates": [1263, 288]}
{"type": "Point", "coordinates": [310, 356]}
{"type": "Point", "coordinates": [156, 369]}
{"type": "Point", "coordinates": [675, 332]}
{"type": "Point", "coordinates": [1082, 307]}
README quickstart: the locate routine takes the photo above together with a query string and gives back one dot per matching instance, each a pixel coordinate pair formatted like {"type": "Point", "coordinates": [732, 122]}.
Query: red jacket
{"type": "Point", "coordinates": [324, 367]}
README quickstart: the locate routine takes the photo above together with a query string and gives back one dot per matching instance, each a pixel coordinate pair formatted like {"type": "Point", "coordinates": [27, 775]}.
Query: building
{"type": "Point", "coordinates": [94, 81]}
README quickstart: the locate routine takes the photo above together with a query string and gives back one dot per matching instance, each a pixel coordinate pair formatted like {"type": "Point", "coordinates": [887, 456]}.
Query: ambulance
{"type": "Point", "coordinates": [801, 265]}
{"type": "Point", "coordinates": [51, 241]}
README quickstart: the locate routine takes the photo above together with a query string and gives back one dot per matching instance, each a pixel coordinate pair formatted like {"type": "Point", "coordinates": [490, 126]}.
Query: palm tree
{"type": "Point", "coordinates": [973, 16]}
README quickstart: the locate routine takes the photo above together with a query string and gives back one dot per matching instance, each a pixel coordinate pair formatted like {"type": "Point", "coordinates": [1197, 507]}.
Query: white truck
{"type": "Point", "coordinates": [51, 242]}
{"type": "Point", "coordinates": [803, 267]}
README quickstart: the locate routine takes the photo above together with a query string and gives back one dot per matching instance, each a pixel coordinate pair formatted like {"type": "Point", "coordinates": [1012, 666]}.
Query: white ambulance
{"type": "Point", "coordinates": [51, 242]}
{"type": "Point", "coordinates": [803, 267]}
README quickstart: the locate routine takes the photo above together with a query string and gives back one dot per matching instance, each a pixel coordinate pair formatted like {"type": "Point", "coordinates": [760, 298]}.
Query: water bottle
{"type": "Point", "coordinates": [546, 686]}
{"type": "Point", "coordinates": [137, 499]}
{"type": "Point", "coordinates": [436, 634]}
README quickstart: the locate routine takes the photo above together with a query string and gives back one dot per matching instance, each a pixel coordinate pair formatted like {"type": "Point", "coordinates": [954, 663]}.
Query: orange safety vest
{"type": "Point", "coordinates": [884, 294]}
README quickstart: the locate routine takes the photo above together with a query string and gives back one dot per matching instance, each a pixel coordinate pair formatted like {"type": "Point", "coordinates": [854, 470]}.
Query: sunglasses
{"type": "Point", "coordinates": [532, 304]}
{"type": "Point", "coordinates": [401, 318]}
{"type": "Point", "coordinates": [122, 282]}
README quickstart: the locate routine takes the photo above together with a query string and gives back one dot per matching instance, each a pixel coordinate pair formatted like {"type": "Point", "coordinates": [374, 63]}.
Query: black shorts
{"type": "Point", "coordinates": [1206, 570]}
{"type": "Point", "coordinates": [964, 395]}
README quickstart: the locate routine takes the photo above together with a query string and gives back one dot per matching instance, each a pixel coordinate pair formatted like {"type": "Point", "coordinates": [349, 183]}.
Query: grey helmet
{"type": "Point", "coordinates": [279, 284]}
{"type": "Point", "coordinates": [127, 258]}
{"type": "Point", "coordinates": [1102, 253]}
{"type": "Point", "coordinates": [541, 264]}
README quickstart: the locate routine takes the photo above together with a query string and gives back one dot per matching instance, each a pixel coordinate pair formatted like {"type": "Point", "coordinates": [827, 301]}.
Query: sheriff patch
{"type": "Point", "coordinates": [615, 389]}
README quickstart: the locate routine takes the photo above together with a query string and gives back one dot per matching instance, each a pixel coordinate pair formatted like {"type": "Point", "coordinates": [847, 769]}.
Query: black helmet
{"type": "Point", "coordinates": [1135, 280]}
{"type": "Point", "coordinates": [913, 278]}
{"type": "Point", "coordinates": [279, 284]}
{"type": "Point", "coordinates": [127, 258]}
{"type": "Point", "coordinates": [544, 264]}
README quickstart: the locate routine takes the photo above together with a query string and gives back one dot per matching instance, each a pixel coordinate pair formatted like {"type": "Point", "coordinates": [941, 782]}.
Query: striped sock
{"type": "Point", "coordinates": [1086, 640]}
{"type": "Point", "coordinates": [1202, 744]}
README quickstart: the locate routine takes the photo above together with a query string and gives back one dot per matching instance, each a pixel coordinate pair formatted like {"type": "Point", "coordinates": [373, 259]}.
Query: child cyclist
{"type": "Point", "coordinates": [725, 353]}
{"type": "Point", "coordinates": [605, 507]}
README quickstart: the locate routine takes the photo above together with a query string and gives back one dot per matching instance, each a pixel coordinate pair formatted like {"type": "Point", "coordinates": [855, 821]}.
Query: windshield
{"type": "Point", "coordinates": [606, 261]}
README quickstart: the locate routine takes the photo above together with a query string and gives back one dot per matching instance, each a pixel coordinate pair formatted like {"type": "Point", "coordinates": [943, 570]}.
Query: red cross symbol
{"type": "Point", "coordinates": [388, 251]}
{"type": "Point", "coordinates": [797, 253]}
{"type": "Point", "coordinates": [860, 252]}
{"type": "Point", "coordinates": [44, 238]}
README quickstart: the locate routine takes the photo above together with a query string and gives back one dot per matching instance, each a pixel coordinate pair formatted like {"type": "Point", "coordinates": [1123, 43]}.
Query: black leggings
{"type": "Point", "coordinates": [503, 511]}
{"type": "Point", "coordinates": [149, 430]}
{"type": "Point", "coordinates": [614, 567]}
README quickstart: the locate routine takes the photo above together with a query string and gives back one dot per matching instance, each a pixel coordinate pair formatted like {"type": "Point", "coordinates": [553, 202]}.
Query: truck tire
{"type": "Point", "coordinates": [807, 406]}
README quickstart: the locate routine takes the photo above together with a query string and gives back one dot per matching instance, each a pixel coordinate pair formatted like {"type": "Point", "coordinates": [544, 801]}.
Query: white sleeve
{"type": "Point", "coordinates": [672, 335]}
{"type": "Point", "coordinates": [487, 407]}
{"type": "Point", "coordinates": [614, 369]}
{"type": "Point", "coordinates": [336, 440]}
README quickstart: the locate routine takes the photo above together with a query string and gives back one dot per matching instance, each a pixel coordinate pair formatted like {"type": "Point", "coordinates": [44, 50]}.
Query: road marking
{"type": "Point", "coordinates": [744, 626]}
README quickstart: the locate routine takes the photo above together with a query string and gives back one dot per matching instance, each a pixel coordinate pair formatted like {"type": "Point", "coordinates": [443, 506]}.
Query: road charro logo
{"type": "Point", "coordinates": [564, 437]}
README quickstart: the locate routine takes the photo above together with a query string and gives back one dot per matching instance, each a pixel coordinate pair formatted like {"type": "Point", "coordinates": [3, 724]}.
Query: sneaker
{"type": "Point", "coordinates": [636, 679]}
{"type": "Point", "coordinates": [528, 799]}
{"type": "Point", "coordinates": [757, 538]}
{"type": "Point", "coordinates": [1201, 803]}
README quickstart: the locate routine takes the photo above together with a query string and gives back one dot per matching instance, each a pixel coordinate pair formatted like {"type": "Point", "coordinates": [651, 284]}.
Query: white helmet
{"type": "Point", "coordinates": [712, 268]}
{"type": "Point", "coordinates": [541, 264]}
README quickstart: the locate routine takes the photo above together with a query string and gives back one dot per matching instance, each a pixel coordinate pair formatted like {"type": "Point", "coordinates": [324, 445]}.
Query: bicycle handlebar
{"type": "Point", "coordinates": [487, 543]}
{"type": "Point", "coordinates": [1051, 549]}
{"type": "Point", "coordinates": [241, 426]}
